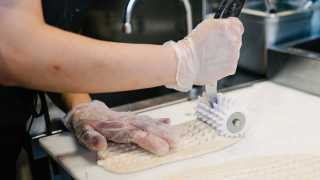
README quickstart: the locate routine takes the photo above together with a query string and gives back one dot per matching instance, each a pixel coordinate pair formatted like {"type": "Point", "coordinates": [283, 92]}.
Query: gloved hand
{"type": "Point", "coordinates": [94, 123]}
{"type": "Point", "coordinates": [209, 53]}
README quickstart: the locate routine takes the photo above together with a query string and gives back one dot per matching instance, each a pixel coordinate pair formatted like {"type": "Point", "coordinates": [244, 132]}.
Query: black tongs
{"type": "Point", "coordinates": [229, 8]}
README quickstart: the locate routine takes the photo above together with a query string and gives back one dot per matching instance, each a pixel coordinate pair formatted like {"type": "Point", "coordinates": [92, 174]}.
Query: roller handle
{"type": "Point", "coordinates": [229, 8]}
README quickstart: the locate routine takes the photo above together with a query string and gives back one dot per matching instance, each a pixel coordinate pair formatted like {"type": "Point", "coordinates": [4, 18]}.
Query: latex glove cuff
{"type": "Point", "coordinates": [67, 120]}
{"type": "Point", "coordinates": [186, 70]}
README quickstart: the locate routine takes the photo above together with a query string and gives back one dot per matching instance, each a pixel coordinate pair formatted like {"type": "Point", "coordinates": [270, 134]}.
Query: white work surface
{"type": "Point", "coordinates": [283, 121]}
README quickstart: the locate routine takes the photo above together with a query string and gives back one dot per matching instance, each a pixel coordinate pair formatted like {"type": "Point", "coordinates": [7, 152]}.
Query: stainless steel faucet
{"type": "Point", "coordinates": [127, 26]}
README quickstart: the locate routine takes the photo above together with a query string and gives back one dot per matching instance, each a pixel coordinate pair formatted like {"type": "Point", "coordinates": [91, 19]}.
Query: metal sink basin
{"type": "Point", "coordinates": [309, 46]}
{"type": "Point", "coordinates": [264, 30]}
{"type": "Point", "coordinates": [281, 6]}
{"type": "Point", "coordinates": [296, 64]}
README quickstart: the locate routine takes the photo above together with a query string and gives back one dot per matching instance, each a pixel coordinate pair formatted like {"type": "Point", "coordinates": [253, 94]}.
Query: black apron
{"type": "Point", "coordinates": [15, 109]}
{"type": "Point", "coordinates": [17, 104]}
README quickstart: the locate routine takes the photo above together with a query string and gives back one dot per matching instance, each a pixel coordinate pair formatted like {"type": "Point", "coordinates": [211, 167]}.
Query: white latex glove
{"type": "Point", "coordinates": [94, 123]}
{"type": "Point", "coordinates": [209, 53]}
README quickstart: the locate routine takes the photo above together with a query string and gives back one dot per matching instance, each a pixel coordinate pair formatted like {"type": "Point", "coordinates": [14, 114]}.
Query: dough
{"type": "Point", "coordinates": [279, 167]}
{"type": "Point", "coordinates": [197, 138]}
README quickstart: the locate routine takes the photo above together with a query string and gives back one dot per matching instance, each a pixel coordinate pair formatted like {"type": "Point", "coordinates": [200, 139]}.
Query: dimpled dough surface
{"type": "Point", "coordinates": [276, 167]}
{"type": "Point", "coordinates": [196, 139]}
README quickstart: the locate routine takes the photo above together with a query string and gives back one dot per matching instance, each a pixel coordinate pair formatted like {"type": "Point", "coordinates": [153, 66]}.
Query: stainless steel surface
{"type": "Point", "coordinates": [264, 30]}
{"type": "Point", "coordinates": [307, 5]}
{"type": "Point", "coordinates": [145, 104]}
{"type": "Point", "coordinates": [127, 26]}
{"type": "Point", "coordinates": [297, 64]}
{"type": "Point", "coordinates": [270, 5]}
{"type": "Point", "coordinates": [316, 19]}
{"type": "Point", "coordinates": [204, 8]}
{"type": "Point", "coordinates": [310, 4]}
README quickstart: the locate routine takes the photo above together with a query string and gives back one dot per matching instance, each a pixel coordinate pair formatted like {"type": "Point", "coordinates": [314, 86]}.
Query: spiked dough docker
{"type": "Point", "coordinates": [223, 114]}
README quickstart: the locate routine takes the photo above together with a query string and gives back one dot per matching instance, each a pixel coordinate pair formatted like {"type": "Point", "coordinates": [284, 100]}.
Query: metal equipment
{"type": "Point", "coordinates": [271, 7]}
{"type": "Point", "coordinates": [264, 29]}
{"type": "Point", "coordinates": [296, 64]}
{"type": "Point", "coordinates": [221, 113]}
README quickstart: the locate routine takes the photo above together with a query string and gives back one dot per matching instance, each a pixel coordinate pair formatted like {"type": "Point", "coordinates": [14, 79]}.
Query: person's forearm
{"type": "Point", "coordinates": [42, 57]}
{"type": "Point", "coordinates": [71, 100]}
{"type": "Point", "coordinates": [60, 61]}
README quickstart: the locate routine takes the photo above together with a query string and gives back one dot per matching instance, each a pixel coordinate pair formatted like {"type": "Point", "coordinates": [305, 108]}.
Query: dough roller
{"type": "Point", "coordinates": [223, 114]}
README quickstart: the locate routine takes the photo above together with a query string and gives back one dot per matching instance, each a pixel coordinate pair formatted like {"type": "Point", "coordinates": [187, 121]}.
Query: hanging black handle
{"type": "Point", "coordinates": [229, 8]}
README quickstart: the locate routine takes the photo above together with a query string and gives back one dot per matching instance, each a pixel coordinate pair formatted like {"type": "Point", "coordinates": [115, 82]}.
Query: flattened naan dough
{"type": "Point", "coordinates": [276, 167]}
{"type": "Point", "coordinates": [197, 138]}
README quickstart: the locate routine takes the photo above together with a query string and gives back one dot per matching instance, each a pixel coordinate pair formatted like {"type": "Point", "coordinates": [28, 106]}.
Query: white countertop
{"type": "Point", "coordinates": [283, 121]}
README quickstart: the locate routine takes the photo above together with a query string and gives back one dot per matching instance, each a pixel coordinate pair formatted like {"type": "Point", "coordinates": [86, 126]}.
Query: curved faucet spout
{"type": "Point", "coordinates": [127, 26]}
{"type": "Point", "coordinates": [188, 10]}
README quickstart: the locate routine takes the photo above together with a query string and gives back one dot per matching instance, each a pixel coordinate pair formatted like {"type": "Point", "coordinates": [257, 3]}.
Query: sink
{"type": "Point", "coordinates": [311, 45]}
{"type": "Point", "coordinates": [296, 64]}
{"type": "Point", "coordinates": [263, 30]}
{"type": "Point", "coordinates": [154, 21]}
{"type": "Point", "coordinates": [281, 6]}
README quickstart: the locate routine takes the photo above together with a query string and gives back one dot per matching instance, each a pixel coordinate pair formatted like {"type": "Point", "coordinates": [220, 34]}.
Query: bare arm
{"type": "Point", "coordinates": [38, 56]}
{"type": "Point", "coordinates": [73, 99]}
